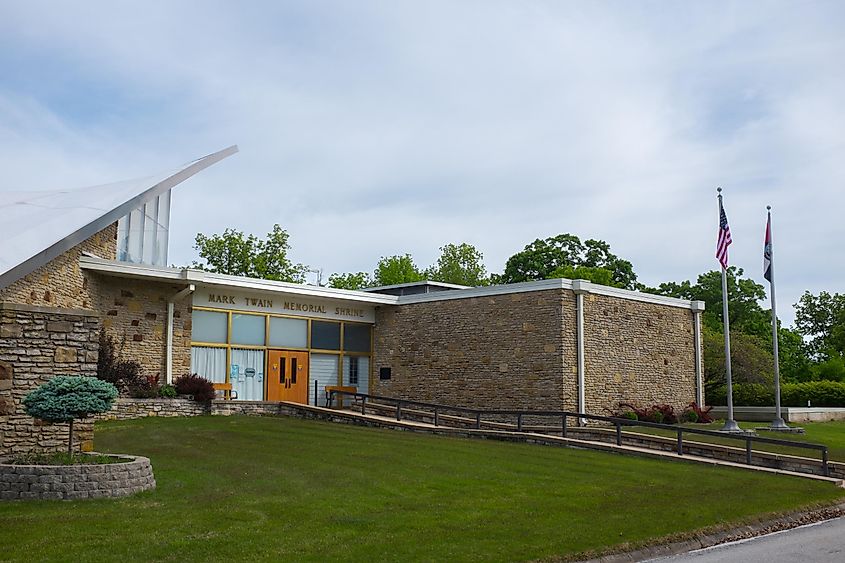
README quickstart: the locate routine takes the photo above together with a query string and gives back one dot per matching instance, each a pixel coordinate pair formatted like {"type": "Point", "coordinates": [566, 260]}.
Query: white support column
{"type": "Point", "coordinates": [168, 362]}
{"type": "Point", "coordinates": [580, 287]}
{"type": "Point", "coordinates": [698, 308]}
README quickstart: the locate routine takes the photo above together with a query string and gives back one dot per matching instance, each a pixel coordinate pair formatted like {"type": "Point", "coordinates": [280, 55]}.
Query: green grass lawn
{"type": "Point", "coordinates": [270, 489]}
{"type": "Point", "coordinates": [831, 434]}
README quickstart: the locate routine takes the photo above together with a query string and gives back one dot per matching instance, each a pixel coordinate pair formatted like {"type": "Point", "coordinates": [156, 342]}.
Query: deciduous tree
{"type": "Point", "coordinates": [744, 296]}
{"type": "Point", "coordinates": [392, 270]}
{"type": "Point", "coordinates": [358, 280]}
{"type": "Point", "coordinates": [821, 319]}
{"type": "Point", "coordinates": [540, 259]}
{"type": "Point", "coordinates": [237, 254]}
{"type": "Point", "coordinates": [460, 264]}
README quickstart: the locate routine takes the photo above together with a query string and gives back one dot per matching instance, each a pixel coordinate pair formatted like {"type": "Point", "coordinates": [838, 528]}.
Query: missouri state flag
{"type": "Point", "coordinates": [767, 251]}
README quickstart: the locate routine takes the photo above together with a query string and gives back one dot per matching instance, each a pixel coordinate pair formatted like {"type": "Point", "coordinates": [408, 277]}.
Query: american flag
{"type": "Point", "coordinates": [724, 237]}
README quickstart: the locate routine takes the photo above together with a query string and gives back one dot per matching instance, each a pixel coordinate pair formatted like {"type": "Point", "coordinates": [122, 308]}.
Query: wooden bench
{"type": "Point", "coordinates": [341, 398]}
{"type": "Point", "coordinates": [226, 390]}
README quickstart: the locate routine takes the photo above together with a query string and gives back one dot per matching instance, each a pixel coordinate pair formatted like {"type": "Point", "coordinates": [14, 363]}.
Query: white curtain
{"type": "Point", "coordinates": [363, 372]}
{"type": "Point", "coordinates": [247, 374]}
{"type": "Point", "coordinates": [209, 363]}
{"type": "Point", "coordinates": [324, 371]}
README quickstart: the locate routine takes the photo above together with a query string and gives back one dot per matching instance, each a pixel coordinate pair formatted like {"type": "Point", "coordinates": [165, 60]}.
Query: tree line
{"type": "Point", "coordinates": [813, 350]}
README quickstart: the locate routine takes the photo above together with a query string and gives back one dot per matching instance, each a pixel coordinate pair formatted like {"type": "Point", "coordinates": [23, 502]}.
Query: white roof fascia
{"type": "Point", "coordinates": [200, 277]}
{"type": "Point", "coordinates": [89, 229]}
{"type": "Point", "coordinates": [582, 286]}
{"type": "Point", "coordinates": [131, 270]}
{"type": "Point", "coordinates": [208, 278]}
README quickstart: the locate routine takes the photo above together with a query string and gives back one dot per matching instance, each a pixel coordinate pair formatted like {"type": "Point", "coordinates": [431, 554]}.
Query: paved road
{"type": "Point", "coordinates": [824, 542]}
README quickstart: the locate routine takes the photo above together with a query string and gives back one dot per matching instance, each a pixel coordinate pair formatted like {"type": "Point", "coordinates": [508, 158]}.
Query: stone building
{"type": "Point", "coordinates": [553, 344]}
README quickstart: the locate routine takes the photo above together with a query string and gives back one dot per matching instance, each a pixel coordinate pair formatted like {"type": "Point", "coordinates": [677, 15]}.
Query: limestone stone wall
{"type": "Point", "coordinates": [519, 351]}
{"type": "Point", "coordinates": [638, 352]}
{"type": "Point", "coordinates": [125, 408]}
{"type": "Point", "coordinates": [73, 482]}
{"type": "Point", "coordinates": [37, 343]}
{"type": "Point", "coordinates": [135, 314]}
{"type": "Point", "coordinates": [61, 282]}
{"type": "Point", "coordinates": [129, 409]}
{"type": "Point", "coordinates": [514, 351]}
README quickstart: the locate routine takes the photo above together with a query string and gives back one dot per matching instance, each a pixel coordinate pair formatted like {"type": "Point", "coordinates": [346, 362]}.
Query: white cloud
{"type": "Point", "coordinates": [376, 128]}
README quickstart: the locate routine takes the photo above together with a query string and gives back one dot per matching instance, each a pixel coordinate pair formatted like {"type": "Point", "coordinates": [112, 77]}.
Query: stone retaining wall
{"type": "Point", "coordinates": [72, 482]}
{"type": "Point", "coordinates": [251, 408]}
{"type": "Point", "coordinates": [789, 414]}
{"type": "Point", "coordinates": [130, 409]}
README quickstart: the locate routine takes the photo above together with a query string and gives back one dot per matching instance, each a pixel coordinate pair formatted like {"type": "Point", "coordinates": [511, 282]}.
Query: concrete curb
{"type": "Point", "coordinates": [710, 538]}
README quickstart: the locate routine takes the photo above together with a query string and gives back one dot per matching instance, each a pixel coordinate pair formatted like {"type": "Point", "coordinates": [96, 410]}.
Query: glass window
{"type": "Point", "coordinates": [208, 326]}
{"type": "Point", "coordinates": [288, 333]}
{"type": "Point", "coordinates": [246, 374]}
{"type": "Point", "coordinates": [325, 336]}
{"type": "Point", "coordinates": [209, 363]}
{"type": "Point", "coordinates": [356, 372]}
{"type": "Point", "coordinates": [356, 338]}
{"type": "Point", "coordinates": [248, 329]}
{"type": "Point", "coordinates": [323, 371]}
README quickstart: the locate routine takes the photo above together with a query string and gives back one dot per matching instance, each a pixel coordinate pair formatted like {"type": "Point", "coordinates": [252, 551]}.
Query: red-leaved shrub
{"type": "Point", "coordinates": [201, 388]}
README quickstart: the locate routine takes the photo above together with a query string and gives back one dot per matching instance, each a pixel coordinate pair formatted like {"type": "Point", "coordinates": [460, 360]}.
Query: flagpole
{"type": "Point", "coordinates": [778, 423]}
{"type": "Point", "coordinates": [730, 423]}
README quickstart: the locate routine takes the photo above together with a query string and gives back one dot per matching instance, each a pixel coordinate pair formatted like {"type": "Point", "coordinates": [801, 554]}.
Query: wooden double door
{"type": "Point", "coordinates": [287, 376]}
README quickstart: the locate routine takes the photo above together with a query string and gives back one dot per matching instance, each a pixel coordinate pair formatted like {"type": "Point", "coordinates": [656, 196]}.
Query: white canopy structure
{"type": "Point", "coordinates": [36, 227]}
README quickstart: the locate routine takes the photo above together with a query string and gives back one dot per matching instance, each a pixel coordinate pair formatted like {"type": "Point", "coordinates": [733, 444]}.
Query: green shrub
{"type": "Point", "coordinates": [61, 458]}
{"type": "Point", "coordinates": [689, 416]}
{"type": "Point", "coordinates": [655, 413]}
{"type": "Point", "coordinates": [199, 387]}
{"type": "Point", "coordinates": [167, 391]}
{"type": "Point", "coordinates": [818, 393]}
{"type": "Point", "coordinates": [145, 388]}
{"type": "Point", "coordinates": [122, 374]}
{"type": "Point", "coordinates": [832, 369]}
{"type": "Point", "coordinates": [143, 392]}
{"type": "Point", "coordinates": [66, 397]}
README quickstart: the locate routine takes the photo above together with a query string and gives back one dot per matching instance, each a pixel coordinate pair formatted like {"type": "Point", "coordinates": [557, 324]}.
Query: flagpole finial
{"type": "Point", "coordinates": [769, 207]}
{"type": "Point", "coordinates": [719, 189]}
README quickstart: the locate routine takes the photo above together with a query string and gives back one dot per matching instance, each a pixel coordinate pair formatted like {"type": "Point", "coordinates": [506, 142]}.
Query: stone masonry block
{"type": "Point", "coordinates": [10, 331]}
{"type": "Point", "coordinates": [60, 326]}
{"type": "Point", "coordinates": [6, 371]}
{"type": "Point", "coordinates": [64, 355]}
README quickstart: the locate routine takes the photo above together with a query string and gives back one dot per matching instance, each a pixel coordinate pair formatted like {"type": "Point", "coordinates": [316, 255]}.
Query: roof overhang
{"type": "Point", "coordinates": [202, 278]}
{"type": "Point", "coordinates": [64, 228]}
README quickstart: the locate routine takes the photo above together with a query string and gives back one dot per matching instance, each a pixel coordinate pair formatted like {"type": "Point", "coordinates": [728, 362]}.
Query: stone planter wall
{"type": "Point", "coordinates": [130, 409]}
{"type": "Point", "coordinates": [71, 482]}
{"type": "Point", "coordinates": [253, 408]}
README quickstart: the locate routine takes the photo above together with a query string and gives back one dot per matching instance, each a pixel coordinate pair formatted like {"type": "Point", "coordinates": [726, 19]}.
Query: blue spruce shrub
{"type": "Point", "coordinates": [67, 397]}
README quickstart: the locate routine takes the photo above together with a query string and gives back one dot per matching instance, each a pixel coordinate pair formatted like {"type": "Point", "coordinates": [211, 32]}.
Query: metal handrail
{"type": "Point", "coordinates": [564, 415]}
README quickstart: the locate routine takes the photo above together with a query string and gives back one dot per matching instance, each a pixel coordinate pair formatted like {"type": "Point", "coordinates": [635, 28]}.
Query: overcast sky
{"type": "Point", "coordinates": [369, 129]}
